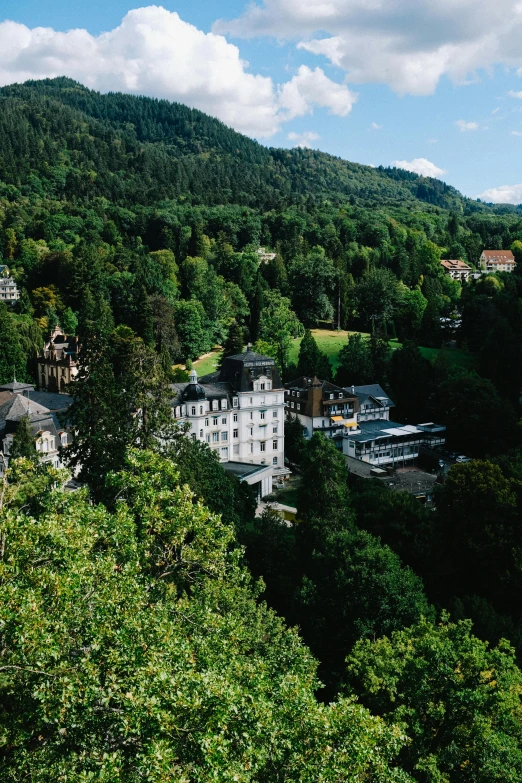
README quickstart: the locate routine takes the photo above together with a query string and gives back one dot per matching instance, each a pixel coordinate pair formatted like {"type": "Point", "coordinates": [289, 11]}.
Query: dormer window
{"type": "Point", "coordinates": [235, 402]}
{"type": "Point", "coordinates": [332, 396]}
{"type": "Point", "coordinates": [223, 405]}
{"type": "Point", "coordinates": [215, 405]}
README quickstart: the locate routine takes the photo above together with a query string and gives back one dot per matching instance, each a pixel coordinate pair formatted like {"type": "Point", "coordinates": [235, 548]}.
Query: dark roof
{"type": "Point", "coordinates": [211, 391]}
{"type": "Point", "coordinates": [251, 356]}
{"type": "Point", "coordinates": [12, 411]}
{"type": "Point", "coordinates": [382, 428]}
{"type": "Point", "coordinates": [17, 387]}
{"type": "Point", "coordinates": [371, 390]}
{"type": "Point", "coordinates": [305, 382]}
{"type": "Point", "coordinates": [51, 400]}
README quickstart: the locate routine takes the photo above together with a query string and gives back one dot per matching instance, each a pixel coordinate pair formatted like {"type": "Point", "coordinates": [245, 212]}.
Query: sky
{"type": "Point", "coordinates": [433, 86]}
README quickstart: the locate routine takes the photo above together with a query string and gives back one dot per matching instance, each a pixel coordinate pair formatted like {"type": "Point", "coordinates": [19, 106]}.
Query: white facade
{"type": "Point", "coordinates": [241, 426]}
{"type": "Point", "coordinates": [8, 288]}
{"type": "Point", "coordinates": [492, 261]}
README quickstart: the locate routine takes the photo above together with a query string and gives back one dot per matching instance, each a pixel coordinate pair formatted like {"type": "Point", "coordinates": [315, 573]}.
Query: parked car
{"type": "Point", "coordinates": [462, 458]}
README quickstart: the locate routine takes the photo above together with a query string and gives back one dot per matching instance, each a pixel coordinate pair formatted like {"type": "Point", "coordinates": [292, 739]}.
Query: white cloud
{"type": "Point", "coordinates": [464, 126]}
{"type": "Point", "coordinates": [514, 94]}
{"type": "Point", "coordinates": [309, 88]}
{"type": "Point", "coordinates": [420, 166]}
{"type": "Point", "coordinates": [505, 194]}
{"type": "Point", "coordinates": [407, 44]}
{"type": "Point", "coordinates": [303, 140]}
{"type": "Point", "coordinates": [516, 133]}
{"type": "Point", "coordinates": [154, 52]}
{"type": "Point", "coordinates": [375, 126]}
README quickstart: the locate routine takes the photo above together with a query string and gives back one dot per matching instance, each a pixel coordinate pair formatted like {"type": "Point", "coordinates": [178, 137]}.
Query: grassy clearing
{"type": "Point", "coordinates": [331, 341]}
{"type": "Point", "coordinates": [209, 363]}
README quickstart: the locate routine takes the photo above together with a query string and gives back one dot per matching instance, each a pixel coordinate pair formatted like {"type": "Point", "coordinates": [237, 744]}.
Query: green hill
{"type": "Point", "coordinates": [82, 144]}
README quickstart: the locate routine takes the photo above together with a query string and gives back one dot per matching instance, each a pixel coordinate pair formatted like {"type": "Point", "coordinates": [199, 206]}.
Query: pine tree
{"type": "Point", "coordinates": [234, 342]}
{"type": "Point", "coordinates": [23, 441]}
{"type": "Point", "coordinates": [312, 361]}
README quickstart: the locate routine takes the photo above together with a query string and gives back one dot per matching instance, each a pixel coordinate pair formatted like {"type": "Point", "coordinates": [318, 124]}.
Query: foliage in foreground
{"type": "Point", "coordinates": [133, 648]}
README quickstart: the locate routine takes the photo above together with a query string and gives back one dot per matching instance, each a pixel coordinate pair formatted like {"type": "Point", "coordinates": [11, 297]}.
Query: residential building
{"type": "Point", "coordinates": [19, 400]}
{"type": "Point", "coordinates": [322, 406]}
{"type": "Point", "coordinates": [57, 364]}
{"type": "Point", "coordinates": [265, 256]}
{"type": "Point", "coordinates": [492, 261]}
{"type": "Point", "coordinates": [9, 291]}
{"type": "Point", "coordinates": [384, 442]}
{"type": "Point", "coordinates": [239, 412]}
{"type": "Point", "coordinates": [457, 270]}
{"type": "Point", "coordinates": [358, 418]}
{"type": "Point", "coordinates": [374, 403]}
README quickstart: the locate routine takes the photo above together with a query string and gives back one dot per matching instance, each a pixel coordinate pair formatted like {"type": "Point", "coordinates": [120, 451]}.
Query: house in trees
{"type": "Point", "coordinates": [9, 291]}
{"type": "Point", "coordinates": [358, 419]}
{"type": "Point", "coordinates": [265, 256]}
{"type": "Point", "coordinates": [374, 403]}
{"type": "Point", "coordinates": [239, 412]}
{"type": "Point", "coordinates": [322, 406]}
{"type": "Point", "coordinates": [57, 364]}
{"type": "Point", "coordinates": [492, 261]}
{"type": "Point", "coordinates": [41, 409]}
{"type": "Point", "coordinates": [457, 269]}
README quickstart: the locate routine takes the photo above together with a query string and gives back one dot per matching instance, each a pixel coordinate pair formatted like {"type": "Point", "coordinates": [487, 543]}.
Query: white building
{"type": "Point", "coordinates": [358, 418]}
{"type": "Point", "coordinates": [492, 261]}
{"type": "Point", "coordinates": [19, 401]}
{"type": "Point", "coordinates": [457, 269]}
{"type": "Point", "coordinates": [239, 412]}
{"type": "Point", "coordinates": [8, 289]}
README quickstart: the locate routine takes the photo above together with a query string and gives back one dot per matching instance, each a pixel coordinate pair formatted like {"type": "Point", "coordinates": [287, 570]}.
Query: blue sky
{"type": "Point", "coordinates": [434, 86]}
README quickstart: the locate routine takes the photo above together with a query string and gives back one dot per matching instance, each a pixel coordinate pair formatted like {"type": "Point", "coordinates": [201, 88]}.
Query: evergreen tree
{"type": "Point", "coordinates": [312, 361]}
{"type": "Point", "coordinates": [23, 441]}
{"type": "Point", "coordinates": [355, 362]}
{"type": "Point", "coordinates": [12, 359]}
{"type": "Point", "coordinates": [234, 343]}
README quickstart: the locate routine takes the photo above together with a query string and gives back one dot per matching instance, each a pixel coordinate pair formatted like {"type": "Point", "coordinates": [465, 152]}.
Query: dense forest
{"type": "Point", "coordinates": [151, 627]}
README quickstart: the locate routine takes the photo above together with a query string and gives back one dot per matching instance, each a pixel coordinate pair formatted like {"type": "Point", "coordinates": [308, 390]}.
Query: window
{"type": "Point", "coordinates": [201, 434]}
{"type": "Point", "coordinates": [268, 385]}
{"type": "Point", "coordinates": [224, 452]}
{"type": "Point", "coordinates": [292, 404]}
{"type": "Point", "coordinates": [235, 449]}
{"type": "Point", "coordinates": [262, 414]}
{"type": "Point", "coordinates": [215, 437]}
{"type": "Point", "coordinates": [178, 412]}
{"type": "Point", "coordinates": [215, 405]}
{"type": "Point", "coordinates": [274, 461]}
{"type": "Point", "coordinates": [235, 416]}
{"type": "Point", "coordinates": [235, 434]}
{"type": "Point", "coordinates": [235, 402]}
{"type": "Point", "coordinates": [274, 445]}
{"type": "Point", "coordinates": [298, 394]}
{"type": "Point", "coordinates": [206, 422]}
{"type": "Point", "coordinates": [193, 410]}
{"type": "Point", "coordinates": [251, 432]}
{"type": "Point", "coordinates": [193, 436]}
{"type": "Point", "coordinates": [224, 436]}
{"type": "Point", "coordinates": [262, 386]}
{"type": "Point", "coordinates": [224, 420]}
{"type": "Point", "coordinates": [251, 448]}
{"type": "Point", "coordinates": [208, 438]}
{"type": "Point", "coordinates": [274, 414]}
{"type": "Point", "coordinates": [275, 429]}
{"type": "Point", "coordinates": [332, 396]}
{"type": "Point", "coordinates": [251, 400]}
{"type": "Point", "coordinates": [223, 404]}
{"type": "Point", "coordinates": [298, 407]}
{"type": "Point", "coordinates": [215, 421]}
{"type": "Point", "coordinates": [262, 446]}
{"type": "Point", "coordinates": [201, 410]}
{"type": "Point", "coordinates": [251, 415]}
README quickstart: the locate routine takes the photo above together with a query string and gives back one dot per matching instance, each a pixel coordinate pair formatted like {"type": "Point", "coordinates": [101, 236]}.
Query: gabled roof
{"type": "Point", "coordinates": [455, 265]}
{"type": "Point", "coordinates": [16, 387]}
{"type": "Point", "coordinates": [373, 390]}
{"type": "Point", "coordinates": [498, 255]}
{"type": "Point", "coordinates": [251, 356]}
{"type": "Point", "coordinates": [306, 382]}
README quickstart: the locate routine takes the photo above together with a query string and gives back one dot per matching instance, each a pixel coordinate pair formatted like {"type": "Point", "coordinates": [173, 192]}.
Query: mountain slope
{"type": "Point", "coordinates": [79, 143]}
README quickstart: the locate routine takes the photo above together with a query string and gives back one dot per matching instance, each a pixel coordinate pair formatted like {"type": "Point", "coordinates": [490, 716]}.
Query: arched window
{"type": "Point", "coordinates": [193, 410]}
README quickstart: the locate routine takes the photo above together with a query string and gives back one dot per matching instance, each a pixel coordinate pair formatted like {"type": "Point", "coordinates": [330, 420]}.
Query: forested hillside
{"type": "Point", "coordinates": [135, 643]}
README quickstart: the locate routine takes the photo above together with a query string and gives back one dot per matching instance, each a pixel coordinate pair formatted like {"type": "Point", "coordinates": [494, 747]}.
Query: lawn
{"type": "Point", "coordinates": [331, 341]}
{"type": "Point", "coordinates": [208, 363]}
